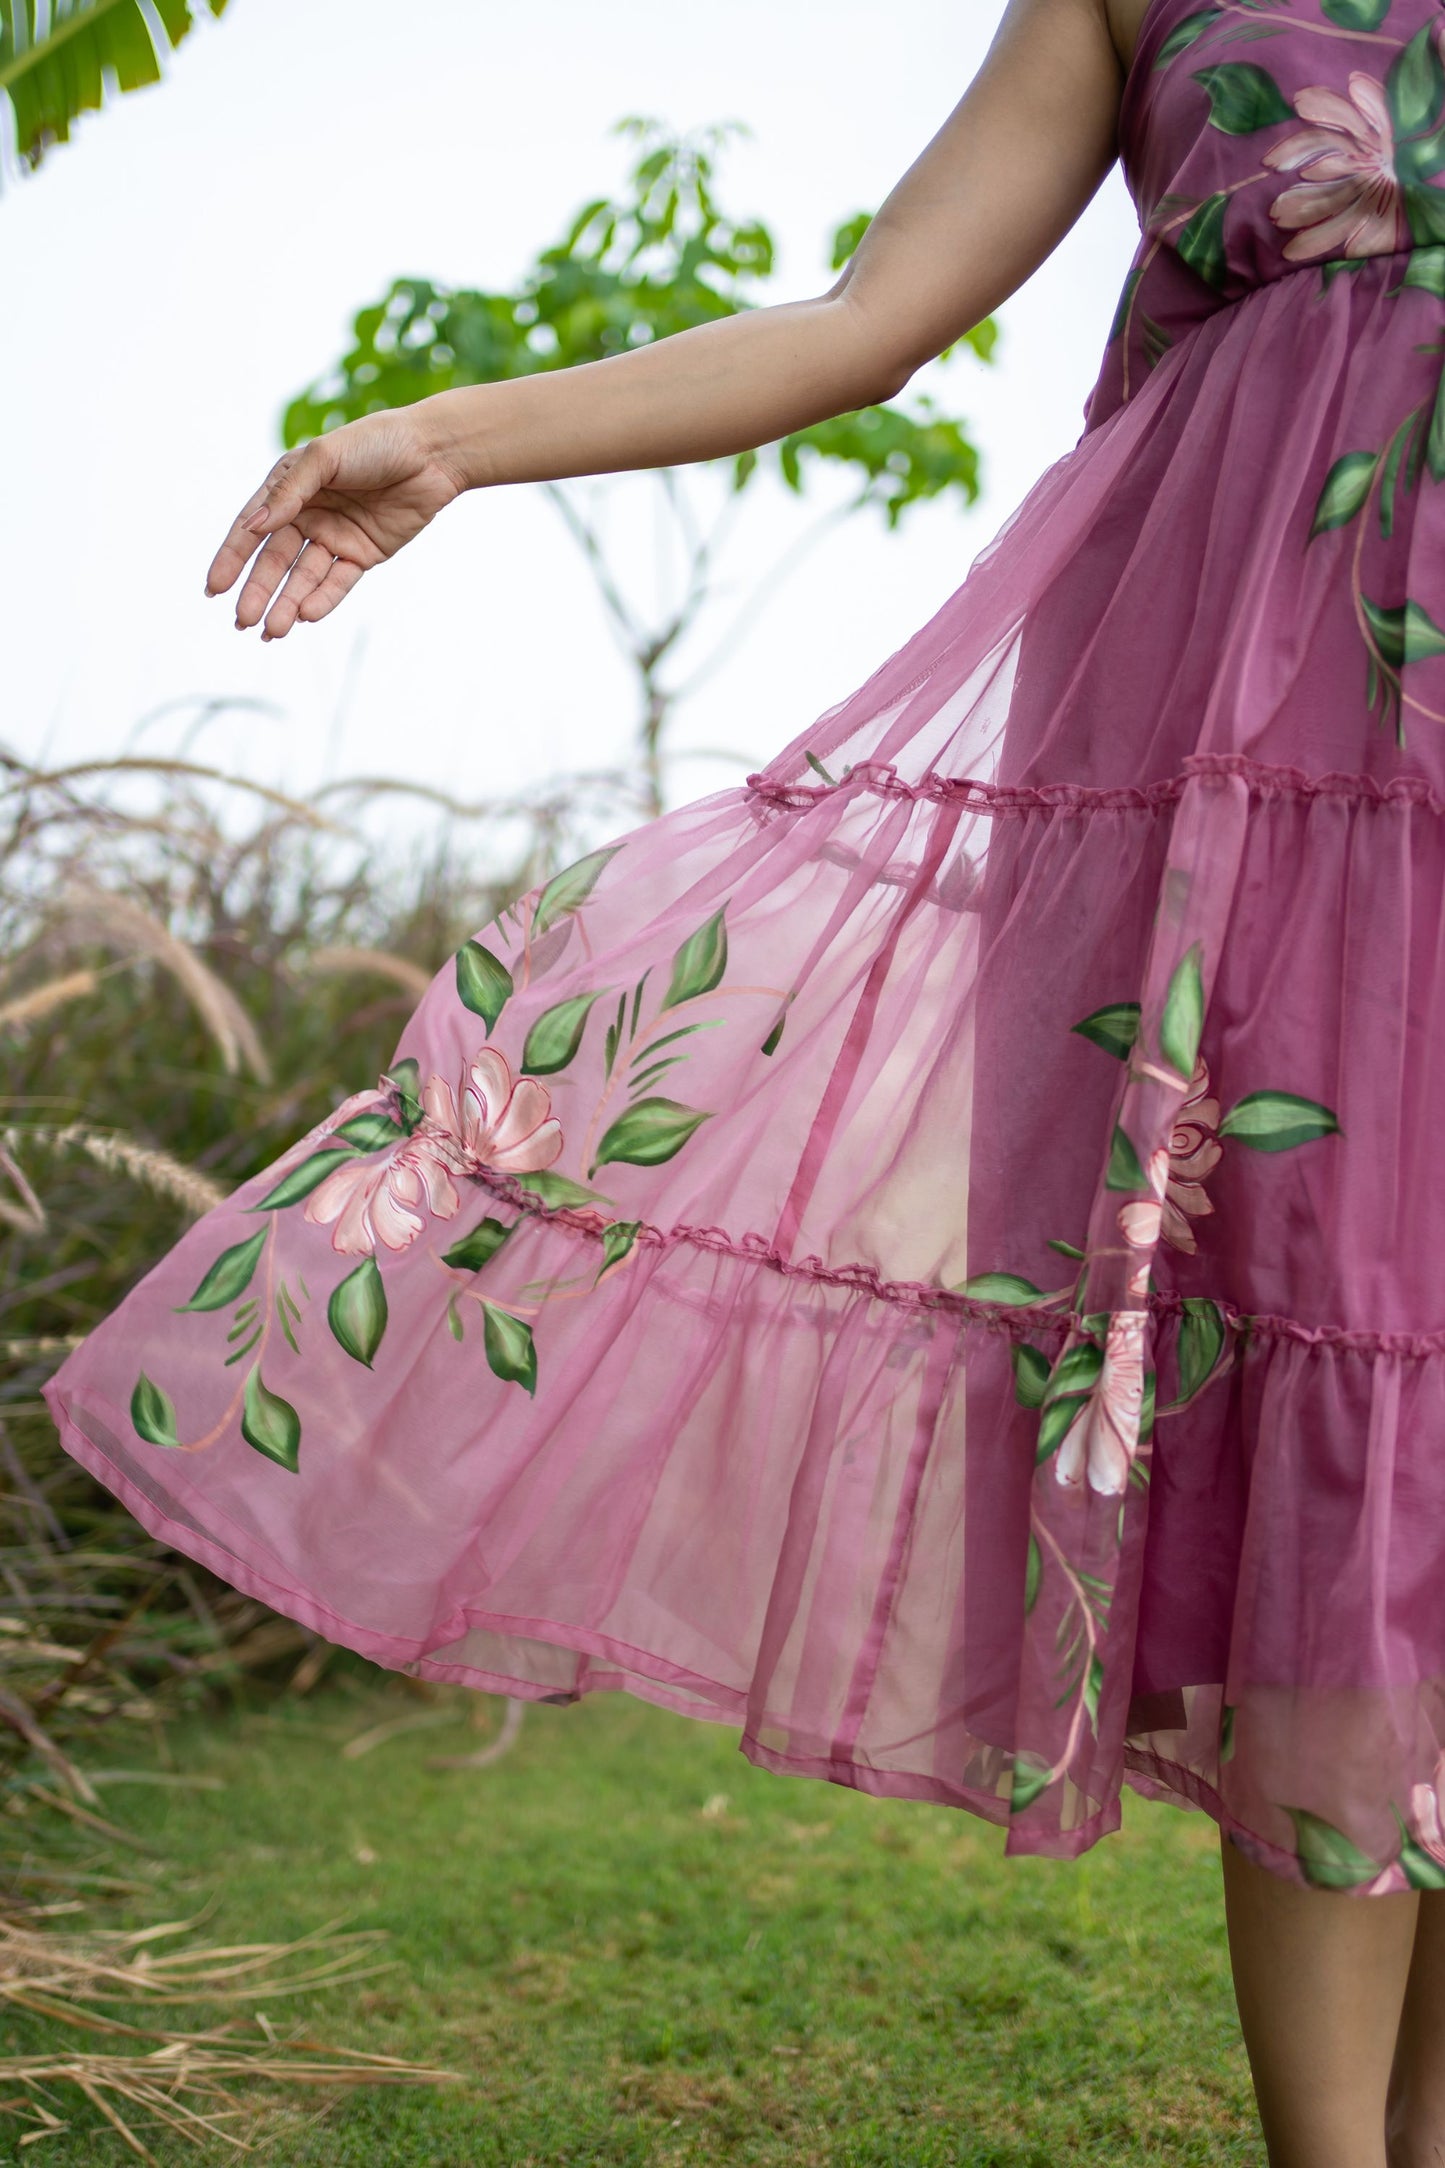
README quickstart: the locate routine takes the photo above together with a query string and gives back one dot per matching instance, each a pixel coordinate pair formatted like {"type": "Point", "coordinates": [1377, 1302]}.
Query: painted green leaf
{"type": "Point", "coordinates": [302, 1180]}
{"type": "Point", "coordinates": [478, 1248]}
{"type": "Point", "coordinates": [569, 889]}
{"type": "Point", "coordinates": [1200, 242]}
{"type": "Point", "coordinates": [1126, 302]}
{"type": "Point", "coordinates": [700, 963]}
{"type": "Point", "coordinates": [1076, 1370]}
{"type": "Point", "coordinates": [511, 1350]}
{"type": "Point", "coordinates": [270, 1423]}
{"type": "Point", "coordinates": [1201, 1343]}
{"type": "Point", "coordinates": [649, 1133]}
{"type": "Point", "coordinates": [1424, 206]}
{"type": "Point", "coordinates": [618, 1242]}
{"type": "Point", "coordinates": [1114, 1029]}
{"type": "Point", "coordinates": [1146, 1415]}
{"type": "Point", "coordinates": [1031, 1376]}
{"type": "Point", "coordinates": [1435, 442]}
{"type": "Point", "coordinates": [483, 982]}
{"type": "Point", "coordinates": [1243, 97]}
{"type": "Point", "coordinates": [229, 1276]}
{"type": "Point", "coordinates": [1033, 1575]}
{"type": "Point", "coordinates": [1030, 1779]}
{"type": "Point", "coordinates": [1415, 84]}
{"type": "Point", "coordinates": [1183, 1018]}
{"type": "Point", "coordinates": [558, 1191]}
{"type": "Point", "coordinates": [368, 1132]}
{"type": "Point", "coordinates": [1067, 1249]}
{"type": "Point", "coordinates": [1356, 14]}
{"type": "Point", "coordinates": [775, 1037]}
{"type": "Point", "coordinates": [1000, 1287]}
{"type": "Point", "coordinates": [557, 1033]}
{"type": "Point", "coordinates": [1390, 478]}
{"type": "Point", "coordinates": [356, 1312]}
{"type": "Point", "coordinates": [153, 1413]}
{"type": "Point", "coordinates": [1124, 1170]}
{"type": "Point", "coordinates": [1277, 1121]}
{"type": "Point", "coordinates": [1421, 1871]}
{"type": "Point", "coordinates": [1057, 1420]}
{"type": "Point", "coordinates": [1093, 1687]}
{"type": "Point", "coordinates": [405, 1078]}
{"type": "Point", "coordinates": [1347, 487]}
{"type": "Point", "coordinates": [1425, 267]}
{"type": "Point", "coordinates": [1184, 33]}
{"type": "Point", "coordinates": [1326, 1855]}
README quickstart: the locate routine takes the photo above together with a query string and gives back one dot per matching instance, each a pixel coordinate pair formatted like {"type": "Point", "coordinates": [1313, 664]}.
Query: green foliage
{"type": "Point", "coordinates": [661, 258]}
{"type": "Point", "coordinates": [641, 1950]}
{"type": "Point", "coordinates": [60, 58]}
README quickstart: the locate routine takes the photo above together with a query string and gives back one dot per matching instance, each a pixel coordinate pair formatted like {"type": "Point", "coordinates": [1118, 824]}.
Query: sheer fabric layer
{"type": "Point", "coordinates": [783, 1461]}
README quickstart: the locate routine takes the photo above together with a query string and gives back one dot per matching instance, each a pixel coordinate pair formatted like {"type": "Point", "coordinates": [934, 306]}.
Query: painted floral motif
{"type": "Point", "coordinates": [1177, 1175]}
{"type": "Point", "coordinates": [1366, 178]}
{"type": "Point", "coordinates": [384, 1198]}
{"type": "Point", "coordinates": [1347, 200]}
{"type": "Point", "coordinates": [1427, 1814]}
{"type": "Point", "coordinates": [1096, 1400]}
{"type": "Point", "coordinates": [391, 1162]}
{"type": "Point", "coordinates": [1102, 1446]}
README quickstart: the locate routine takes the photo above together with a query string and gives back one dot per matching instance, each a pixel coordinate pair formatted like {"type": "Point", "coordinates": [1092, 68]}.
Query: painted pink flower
{"type": "Point", "coordinates": [1194, 1152]}
{"type": "Point", "coordinates": [1101, 1445]}
{"type": "Point", "coordinates": [1427, 1812]}
{"type": "Point", "coordinates": [493, 1121]}
{"type": "Point", "coordinates": [1347, 200]}
{"type": "Point", "coordinates": [1177, 1177]}
{"type": "Point", "coordinates": [384, 1196]}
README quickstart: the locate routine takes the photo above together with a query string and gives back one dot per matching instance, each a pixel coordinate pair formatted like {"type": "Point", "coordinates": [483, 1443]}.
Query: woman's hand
{"type": "Point", "coordinates": [326, 514]}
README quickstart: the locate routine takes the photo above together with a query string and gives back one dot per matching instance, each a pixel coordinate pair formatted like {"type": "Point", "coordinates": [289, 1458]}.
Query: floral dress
{"type": "Point", "coordinates": [933, 1257]}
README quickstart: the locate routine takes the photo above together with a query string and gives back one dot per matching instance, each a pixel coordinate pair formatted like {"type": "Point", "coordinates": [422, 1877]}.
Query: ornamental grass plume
{"type": "Point", "coordinates": [181, 954]}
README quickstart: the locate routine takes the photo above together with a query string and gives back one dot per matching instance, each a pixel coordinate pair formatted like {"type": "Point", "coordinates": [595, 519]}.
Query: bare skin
{"type": "Point", "coordinates": [1342, 1999]}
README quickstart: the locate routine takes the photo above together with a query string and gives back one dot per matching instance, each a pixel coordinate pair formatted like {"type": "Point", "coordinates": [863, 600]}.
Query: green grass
{"type": "Point", "coordinates": [641, 1949]}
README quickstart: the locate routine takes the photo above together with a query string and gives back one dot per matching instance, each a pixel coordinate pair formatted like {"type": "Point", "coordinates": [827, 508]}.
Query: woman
{"type": "Point", "coordinates": [931, 1256]}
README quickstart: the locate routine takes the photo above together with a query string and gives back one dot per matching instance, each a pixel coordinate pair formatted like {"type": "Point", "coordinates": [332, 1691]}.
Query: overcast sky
{"type": "Point", "coordinates": [194, 257]}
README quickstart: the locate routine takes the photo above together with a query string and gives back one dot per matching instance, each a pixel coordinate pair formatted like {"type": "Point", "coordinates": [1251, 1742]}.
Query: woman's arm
{"type": "Point", "coordinates": [982, 206]}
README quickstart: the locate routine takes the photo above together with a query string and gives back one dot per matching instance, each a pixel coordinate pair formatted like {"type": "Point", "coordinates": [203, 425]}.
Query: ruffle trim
{"type": "Point", "coordinates": [1016, 1321]}
{"type": "Point", "coordinates": [881, 779]}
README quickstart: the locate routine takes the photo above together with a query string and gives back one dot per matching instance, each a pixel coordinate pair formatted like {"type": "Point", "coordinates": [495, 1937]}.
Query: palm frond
{"type": "Point", "coordinates": [61, 58]}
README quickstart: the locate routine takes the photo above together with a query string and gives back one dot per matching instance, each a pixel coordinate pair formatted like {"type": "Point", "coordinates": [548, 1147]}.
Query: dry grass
{"type": "Point", "coordinates": [181, 955]}
{"type": "Point", "coordinates": [180, 2080]}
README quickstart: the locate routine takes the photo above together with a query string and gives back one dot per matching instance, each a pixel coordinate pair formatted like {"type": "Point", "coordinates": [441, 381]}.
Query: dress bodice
{"type": "Point", "coordinates": [1262, 138]}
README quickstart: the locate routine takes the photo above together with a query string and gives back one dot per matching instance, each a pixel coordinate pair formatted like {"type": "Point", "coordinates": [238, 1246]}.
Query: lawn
{"type": "Point", "coordinates": [641, 1949]}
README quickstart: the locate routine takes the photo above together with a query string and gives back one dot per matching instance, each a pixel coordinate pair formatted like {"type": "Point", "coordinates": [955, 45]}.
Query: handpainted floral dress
{"type": "Point", "coordinates": [937, 1257]}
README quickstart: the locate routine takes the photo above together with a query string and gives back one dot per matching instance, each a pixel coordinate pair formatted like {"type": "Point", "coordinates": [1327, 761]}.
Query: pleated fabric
{"type": "Point", "coordinates": [931, 1257]}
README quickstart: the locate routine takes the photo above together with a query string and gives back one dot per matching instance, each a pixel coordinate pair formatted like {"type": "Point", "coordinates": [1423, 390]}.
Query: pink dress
{"type": "Point", "coordinates": [934, 1257]}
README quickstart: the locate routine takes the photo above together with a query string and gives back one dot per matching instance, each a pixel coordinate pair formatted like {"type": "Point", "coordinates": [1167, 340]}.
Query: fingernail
{"type": "Point", "coordinates": [259, 517]}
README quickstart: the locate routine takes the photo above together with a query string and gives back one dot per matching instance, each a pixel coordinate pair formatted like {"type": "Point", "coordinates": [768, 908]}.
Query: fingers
{"type": "Point", "coordinates": [305, 581]}
{"type": "Point", "coordinates": [270, 569]}
{"type": "Point", "coordinates": [334, 588]}
{"type": "Point", "coordinates": [293, 481]}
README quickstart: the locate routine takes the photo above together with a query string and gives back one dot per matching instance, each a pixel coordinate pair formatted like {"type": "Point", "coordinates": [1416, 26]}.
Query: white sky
{"type": "Point", "coordinates": [194, 258]}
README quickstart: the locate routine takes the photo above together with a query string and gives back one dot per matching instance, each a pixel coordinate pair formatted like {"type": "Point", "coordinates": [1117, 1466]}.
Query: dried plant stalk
{"type": "Point", "coordinates": [120, 1154]}
{"type": "Point", "coordinates": [28, 1008]}
{"type": "Point", "coordinates": [115, 921]}
{"type": "Point", "coordinates": [161, 764]}
{"type": "Point", "coordinates": [380, 961]}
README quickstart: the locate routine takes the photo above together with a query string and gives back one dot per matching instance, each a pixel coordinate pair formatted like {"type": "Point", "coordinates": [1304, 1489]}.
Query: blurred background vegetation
{"type": "Point", "coordinates": [603, 1938]}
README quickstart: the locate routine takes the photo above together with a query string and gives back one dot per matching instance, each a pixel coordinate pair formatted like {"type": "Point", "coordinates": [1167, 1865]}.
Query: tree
{"type": "Point", "coordinates": [659, 259]}
{"type": "Point", "coordinates": [60, 58]}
